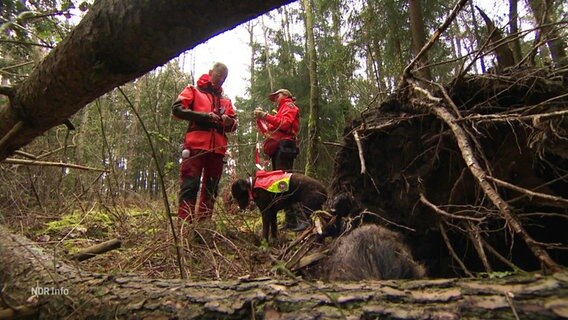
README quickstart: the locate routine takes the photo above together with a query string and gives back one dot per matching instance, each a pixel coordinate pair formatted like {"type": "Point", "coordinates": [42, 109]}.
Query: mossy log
{"type": "Point", "coordinates": [66, 291]}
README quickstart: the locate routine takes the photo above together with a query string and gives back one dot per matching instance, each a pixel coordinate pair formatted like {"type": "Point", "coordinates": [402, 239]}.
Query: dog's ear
{"type": "Point", "coordinates": [239, 186]}
{"type": "Point", "coordinates": [239, 190]}
{"type": "Point", "coordinates": [243, 185]}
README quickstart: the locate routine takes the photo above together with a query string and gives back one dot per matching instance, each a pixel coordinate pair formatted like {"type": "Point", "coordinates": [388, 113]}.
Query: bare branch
{"type": "Point", "coordinates": [452, 251]}
{"type": "Point", "coordinates": [457, 8]}
{"type": "Point", "coordinates": [50, 164]}
{"type": "Point", "coordinates": [556, 201]}
{"type": "Point", "coordinates": [445, 213]}
{"type": "Point", "coordinates": [360, 148]}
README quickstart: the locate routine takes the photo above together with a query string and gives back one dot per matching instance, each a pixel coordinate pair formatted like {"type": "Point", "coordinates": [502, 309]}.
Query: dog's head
{"type": "Point", "coordinates": [240, 190]}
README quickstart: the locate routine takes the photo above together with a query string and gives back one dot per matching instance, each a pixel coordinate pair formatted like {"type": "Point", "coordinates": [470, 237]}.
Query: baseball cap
{"type": "Point", "coordinates": [285, 92]}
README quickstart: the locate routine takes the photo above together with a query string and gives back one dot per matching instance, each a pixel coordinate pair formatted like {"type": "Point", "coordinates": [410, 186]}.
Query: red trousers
{"type": "Point", "coordinates": [200, 173]}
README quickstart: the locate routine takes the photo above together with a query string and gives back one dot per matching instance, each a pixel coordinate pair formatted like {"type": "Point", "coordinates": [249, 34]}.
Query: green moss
{"type": "Point", "coordinates": [77, 220]}
{"type": "Point", "coordinates": [66, 221]}
{"type": "Point", "coordinates": [70, 246]}
{"type": "Point", "coordinates": [136, 212]}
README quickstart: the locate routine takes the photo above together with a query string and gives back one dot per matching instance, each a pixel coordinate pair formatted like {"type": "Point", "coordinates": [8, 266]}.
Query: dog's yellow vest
{"type": "Point", "coordinates": [276, 181]}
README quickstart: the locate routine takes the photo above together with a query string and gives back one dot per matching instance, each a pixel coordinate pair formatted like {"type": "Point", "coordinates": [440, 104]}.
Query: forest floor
{"type": "Point", "coordinates": [226, 247]}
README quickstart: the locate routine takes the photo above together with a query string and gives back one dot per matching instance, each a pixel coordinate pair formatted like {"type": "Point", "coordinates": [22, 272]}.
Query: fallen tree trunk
{"type": "Point", "coordinates": [34, 280]}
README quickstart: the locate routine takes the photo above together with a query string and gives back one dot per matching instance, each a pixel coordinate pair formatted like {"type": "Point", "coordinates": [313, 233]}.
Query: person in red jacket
{"type": "Point", "coordinates": [281, 143]}
{"type": "Point", "coordinates": [210, 116]}
{"type": "Point", "coordinates": [281, 130]}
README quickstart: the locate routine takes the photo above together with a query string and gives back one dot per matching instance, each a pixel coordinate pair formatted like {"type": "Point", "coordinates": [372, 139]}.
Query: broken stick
{"type": "Point", "coordinates": [96, 249]}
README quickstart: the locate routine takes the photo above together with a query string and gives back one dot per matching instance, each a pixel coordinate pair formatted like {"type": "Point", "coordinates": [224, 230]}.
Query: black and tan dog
{"type": "Point", "coordinates": [290, 191]}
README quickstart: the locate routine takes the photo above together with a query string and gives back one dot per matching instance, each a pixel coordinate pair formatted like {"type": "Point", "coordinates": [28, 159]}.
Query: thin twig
{"type": "Point", "coordinates": [515, 117]}
{"type": "Point", "coordinates": [365, 211]}
{"type": "Point", "coordinates": [161, 179]}
{"type": "Point", "coordinates": [452, 251]}
{"type": "Point", "coordinates": [445, 213]}
{"type": "Point", "coordinates": [25, 154]}
{"type": "Point", "coordinates": [559, 201]}
{"type": "Point", "coordinates": [48, 153]}
{"type": "Point", "coordinates": [475, 238]}
{"type": "Point", "coordinates": [560, 178]}
{"type": "Point", "coordinates": [499, 256]}
{"type": "Point", "coordinates": [508, 296]}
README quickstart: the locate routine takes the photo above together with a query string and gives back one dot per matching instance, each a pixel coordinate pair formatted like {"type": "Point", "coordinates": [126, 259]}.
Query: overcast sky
{"type": "Point", "coordinates": [232, 48]}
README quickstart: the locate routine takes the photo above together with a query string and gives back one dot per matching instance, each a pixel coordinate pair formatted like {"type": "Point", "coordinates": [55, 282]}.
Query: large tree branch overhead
{"type": "Point", "coordinates": [117, 41]}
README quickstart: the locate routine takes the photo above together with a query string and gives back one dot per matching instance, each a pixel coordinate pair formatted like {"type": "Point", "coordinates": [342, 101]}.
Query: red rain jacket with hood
{"type": "Point", "coordinates": [284, 125]}
{"type": "Point", "coordinates": [194, 104]}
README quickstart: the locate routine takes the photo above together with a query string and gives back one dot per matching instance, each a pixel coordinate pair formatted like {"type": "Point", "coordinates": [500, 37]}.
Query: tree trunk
{"type": "Point", "coordinates": [116, 41]}
{"type": "Point", "coordinates": [250, 30]}
{"type": "Point", "coordinates": [505, 57]}
{"type": "Point", "coordinates": [288, 41]}
{"type": "Point", "coordinates": [313, 121]}
{"type": "Point", "coordinates": [418, 36]}
{"type": "Point", "coordinates": [514, 30]}
{"type": "Point", "coordinates": [344, 74]}
{"type": "Point", "coordinates": [542, 10]}
{"type": "Point", "coordinates": [267, 56]}
{"type": "Point", "coordinates": [476, 32]}
{"type": "Point", "coordinates": [62, 290]}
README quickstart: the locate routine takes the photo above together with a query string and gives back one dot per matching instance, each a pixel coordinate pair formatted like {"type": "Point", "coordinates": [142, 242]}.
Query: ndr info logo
{"type": "Point", "coordinates": [49, 291]}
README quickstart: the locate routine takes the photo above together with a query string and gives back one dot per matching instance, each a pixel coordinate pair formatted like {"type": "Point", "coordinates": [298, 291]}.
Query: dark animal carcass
{"type": "Point", "coordinates": [371, 252]}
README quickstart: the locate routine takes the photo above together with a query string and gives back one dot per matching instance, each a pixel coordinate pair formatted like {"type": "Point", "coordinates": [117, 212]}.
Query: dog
{"type": "Point", "coordinates": [277, 190]}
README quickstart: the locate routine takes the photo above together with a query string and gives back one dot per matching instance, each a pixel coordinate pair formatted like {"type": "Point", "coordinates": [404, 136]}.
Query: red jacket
{"type": "Point", "coordinates": [193, 104]}
{"type": "Point", "coordinates": [284, 124]}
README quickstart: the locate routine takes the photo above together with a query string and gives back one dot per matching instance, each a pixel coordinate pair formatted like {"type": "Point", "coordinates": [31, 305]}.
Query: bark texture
{"type": "Point", "coordinates": [24, 266]}
{"type": "Point", "coordinates": [117, 41]}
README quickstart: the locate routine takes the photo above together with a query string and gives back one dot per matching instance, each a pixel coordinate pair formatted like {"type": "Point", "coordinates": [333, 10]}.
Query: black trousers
{"type": "Point", "coordinates": [284, 157]}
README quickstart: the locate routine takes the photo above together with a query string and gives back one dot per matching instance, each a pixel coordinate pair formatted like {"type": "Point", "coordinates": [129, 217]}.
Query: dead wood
{"type": "Point", "coordinates": [50, 164]}
{"type": "Point", "coordinates": [96, 249]}
{"type": "Point", "coordinates": [453, 14]}
{"type": "Point", "coordinates": [502, 51]}
{"type": "Point", "coordinates": [24, 266]}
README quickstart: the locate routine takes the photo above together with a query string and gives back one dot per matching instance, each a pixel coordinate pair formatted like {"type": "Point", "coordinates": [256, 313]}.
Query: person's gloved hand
{"type": "Point", "coordinates": [226, 120]}
{"type": "Point", "coordinates": [213, 117]}
{"type": "Point", "coordinates": [259, 113]}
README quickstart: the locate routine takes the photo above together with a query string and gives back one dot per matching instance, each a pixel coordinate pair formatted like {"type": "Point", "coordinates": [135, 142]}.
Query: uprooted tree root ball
{"type": "Point", "coordinates": [473, 173]}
